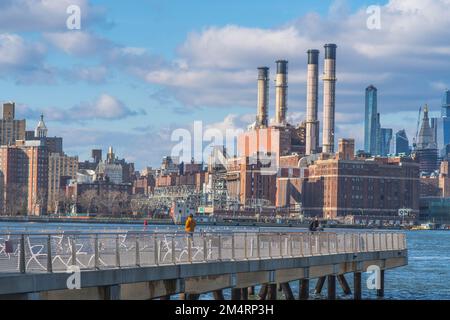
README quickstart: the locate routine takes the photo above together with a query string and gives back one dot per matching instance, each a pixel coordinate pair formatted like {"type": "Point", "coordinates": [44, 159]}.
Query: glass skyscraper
{"type": "Point", "coordinates": [371, 122]}
{"type": "Point", "coordinates": [385, 141]}
{"type": "Point", "coordinates": [445, 113]}
{"type": "Point", "coordinates": [401, 143]}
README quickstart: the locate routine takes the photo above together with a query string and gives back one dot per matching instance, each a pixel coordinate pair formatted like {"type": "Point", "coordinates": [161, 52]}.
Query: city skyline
{"type": "Point", "coordinates": [115, 83]}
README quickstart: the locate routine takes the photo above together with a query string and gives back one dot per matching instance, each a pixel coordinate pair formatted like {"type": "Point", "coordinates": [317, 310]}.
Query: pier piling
{"type": "Point", "coordinates": [272, 291]}
{"type": "Point", "coordinates": [304, 289]}
{"type": "Point", "coordinates": [287, 291]}
{"type": "Point", "coordinates": [380, 292]}
{"type": "Point", "coordinates": [319, 285]}
{"type": "Point", "coordinates": [344, 284]}
{"type": "Point", "coordinates": [357, 286]}
{"type": "Point", "coordinates": [235, 294]}
{"type": "Point", "coordinates": [218, 295]}
{"type": "Point", "coordinates": [331, 286]}
{"type": "Point", "coordinates": [263, 292]}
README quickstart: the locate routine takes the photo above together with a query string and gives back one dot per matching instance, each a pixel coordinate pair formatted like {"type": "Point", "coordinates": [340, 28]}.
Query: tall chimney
{"type": "Point", "coordinates": [312, 124]}
{"type": "Point", "coordinates": [281, 92]}
{"type": "Point", "coordinates": [329, 95]}
{"type": "Point", "coordinates": [263, 97]}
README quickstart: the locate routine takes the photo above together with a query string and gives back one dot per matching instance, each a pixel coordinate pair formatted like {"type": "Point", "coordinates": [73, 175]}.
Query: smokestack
{"type": "Point", "coordinates": [329, 95]}
{"type": "Point", "coordinates": [263, 97]}
{"type": "Point", "coordinates": [281, 92]}
{"type": "Point", "coordinates": [312, 124]}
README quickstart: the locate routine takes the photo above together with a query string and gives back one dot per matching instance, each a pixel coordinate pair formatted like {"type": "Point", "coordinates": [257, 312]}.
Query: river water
{"type": "Point", "coordinates": [427, 275]}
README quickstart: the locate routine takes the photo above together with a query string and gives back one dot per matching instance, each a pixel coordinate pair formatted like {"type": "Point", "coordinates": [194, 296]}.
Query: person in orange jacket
{"type": "Point", "coordinates": [189, 227]}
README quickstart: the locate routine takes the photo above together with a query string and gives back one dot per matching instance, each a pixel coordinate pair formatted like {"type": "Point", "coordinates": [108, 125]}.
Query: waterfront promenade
{"type": "Point", "coordinates": [149, 265]}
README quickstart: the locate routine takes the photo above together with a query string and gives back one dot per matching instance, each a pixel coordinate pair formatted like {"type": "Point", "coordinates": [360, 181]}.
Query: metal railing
{"type": "Point", "coordinates": [55, 252]}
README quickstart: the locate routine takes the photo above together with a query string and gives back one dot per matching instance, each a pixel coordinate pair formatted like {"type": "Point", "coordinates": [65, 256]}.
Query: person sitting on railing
{"type": "Point", "coordinates": [190, 225]}
{"type": "Point", "coordinates": [314, 225]}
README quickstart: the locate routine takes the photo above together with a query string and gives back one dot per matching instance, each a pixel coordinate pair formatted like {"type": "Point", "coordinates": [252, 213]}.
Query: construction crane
{"type": "Point", "coordinates": [417, 129]}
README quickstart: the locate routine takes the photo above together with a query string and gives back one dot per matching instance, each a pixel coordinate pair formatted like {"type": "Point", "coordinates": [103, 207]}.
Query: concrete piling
{"type": "Point", "coordinates": [380, 292]}
{"type": "Point", "coordinates": [286, 288]}
{"type": "Point", "coordinates": [272, 294]}
{"type": "Point", "coordinates": [357, 286]}
{"type": "Point", "coordinates": [304, 289]}
{"type": "Point", "coordinates": [263, 292]}
{"type": "Point", "coordinates": [331, 287]}
{"type": "Point", "coordinates": [344, 284]}
{"type": "Point", "coordinates": [218, 295]}
{"type": "Point", "coordinates": [319, 285]}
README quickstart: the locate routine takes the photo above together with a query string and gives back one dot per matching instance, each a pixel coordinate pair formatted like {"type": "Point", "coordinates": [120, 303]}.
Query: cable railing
{"type": "Point", "coordinates": [56, 252]}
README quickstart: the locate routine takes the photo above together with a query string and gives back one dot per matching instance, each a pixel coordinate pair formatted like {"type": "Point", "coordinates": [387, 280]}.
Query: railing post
{"type": "Point", "coordinates": [173, 249]}
{"type": "Point", "coordinates": [270, 247]}
{"type": "Point", "coordinates": [138, 252]}
{"type": "Point", "coordinates": [258, 248]}
{"type": "Point", "coordinates": [205, 249]}
{"type": "Point", "coordinates": [74, 251]}
{"type": "Point", "coordinates": [301, 246]}
{"type": "Point", "coordinates": [22, 265]}
{"type": "Point", "coordinates": [220, 247]}
{"type": "Point", "coordinates": [291, 250]}
{"type": "Point", "coordinates": [245, 246]}
{"type": "Point", "coordinates": [385, 241]}
{"type": "Point", "coordinates": [373, 241]}
{"type": "Point", "coordinates": [49, 254]}
{"type": "Point", "coordinates": [379, 240]}
{"type": "Point", "coordinates": [96, 257]}
{"type": "Point", "coordinates": [392, 241]}
{"type": "Point", "coordinates": [117, 252]}
{"type": "Point", "coordinates": [232, 247]}
{"type": "Point", "coordinates": [311, 252]}
{"type": "Point", "coordinates": [328, 243]}
{"type": "Point", "coordinates": [156, 248]}
{"type": "Point", "coordinates": [281, 244]}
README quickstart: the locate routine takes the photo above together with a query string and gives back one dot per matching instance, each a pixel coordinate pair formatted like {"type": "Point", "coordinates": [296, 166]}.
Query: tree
{"type": "Point", "coordinates": [87, 200]}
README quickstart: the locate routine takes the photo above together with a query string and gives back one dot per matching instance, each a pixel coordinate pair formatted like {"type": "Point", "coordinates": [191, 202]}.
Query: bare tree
{"type": "Point", "coordinates": [15, 199]}
{"type": "Point", "coordinates": [87, 200]}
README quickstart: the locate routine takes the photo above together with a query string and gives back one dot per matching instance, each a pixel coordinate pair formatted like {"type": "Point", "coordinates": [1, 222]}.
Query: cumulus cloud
{"type": "Point", "coordinates": [105, 107]}
{"type": "Point", "coordinates": [45, 15]}
{"type": "Point", "coordinates": [407, 59]}
{"type": "Point", "coordinates": [78, 43]}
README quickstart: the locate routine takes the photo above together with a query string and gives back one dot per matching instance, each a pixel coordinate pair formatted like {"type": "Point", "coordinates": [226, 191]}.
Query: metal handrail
{"type": "Point", "coordinates": [54, 252]}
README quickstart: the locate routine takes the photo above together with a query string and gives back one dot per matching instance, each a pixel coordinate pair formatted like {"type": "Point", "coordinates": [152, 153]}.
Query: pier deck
{"type": "Point", "coordinates": [143, 265]}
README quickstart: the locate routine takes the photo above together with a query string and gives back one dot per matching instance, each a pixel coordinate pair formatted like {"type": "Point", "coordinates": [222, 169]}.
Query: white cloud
{"type": "Point", "coordinates": [44, 15]}
{"type": "Point", "coordinates": [216, 66]}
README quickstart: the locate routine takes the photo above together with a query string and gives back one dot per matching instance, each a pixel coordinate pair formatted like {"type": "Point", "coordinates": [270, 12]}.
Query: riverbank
{"type": "Point", "coordinates": [140, 221]}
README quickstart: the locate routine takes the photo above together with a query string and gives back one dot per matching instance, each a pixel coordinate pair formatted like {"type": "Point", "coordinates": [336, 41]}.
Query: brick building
{"type": "Point", "coordinates": [343, 185]}
{"type": "Point", "coordinates": [24, 178]}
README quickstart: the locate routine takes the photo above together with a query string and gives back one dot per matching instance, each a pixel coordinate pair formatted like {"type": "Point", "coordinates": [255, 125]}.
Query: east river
{"type": "Point", "coordinates": [426, 276]}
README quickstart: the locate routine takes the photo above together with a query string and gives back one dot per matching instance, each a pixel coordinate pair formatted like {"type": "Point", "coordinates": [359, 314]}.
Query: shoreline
{"type": "Point", "coordinates": [140, 221]}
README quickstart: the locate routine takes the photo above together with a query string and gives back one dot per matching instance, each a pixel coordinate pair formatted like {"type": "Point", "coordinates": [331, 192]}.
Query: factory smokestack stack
{"type": "Point", "coordinates": [281, 92]}
{"type": "Point", "coordinates": [312, 124]}
{"type": "Point", "coordinates": [263, 97]}
{"type": "Point", "coordinates": [329, 95]}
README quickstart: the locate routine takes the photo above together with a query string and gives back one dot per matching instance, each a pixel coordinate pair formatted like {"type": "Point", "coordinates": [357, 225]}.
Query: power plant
{"type": "Point", "coordinates": [263, 98]}
{"type": "Point", "coordinates": [312, 124]}
{"type": "Point", "coordinates": [329, 98]}
{"type": "Point", "coordinates": [281, 93]}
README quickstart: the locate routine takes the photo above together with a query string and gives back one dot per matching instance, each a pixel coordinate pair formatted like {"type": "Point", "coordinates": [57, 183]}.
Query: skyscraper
{"type": "Point", "coordinates": [10, 128]}
{"type": "Point", "coordinates": [401, 143]}
{"type": "Point", "coordinates": [385, 141]}
{"type": "Point", "coordinates": [445, 113]}
{"type": "Point", "coordinates": [426, 149]}
{"type": "Point", "coordinates": [371, 124]}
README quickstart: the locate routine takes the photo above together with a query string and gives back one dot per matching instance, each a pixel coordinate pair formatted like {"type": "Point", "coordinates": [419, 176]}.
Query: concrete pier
{"type": "Point", "coordinates": [158, 266]}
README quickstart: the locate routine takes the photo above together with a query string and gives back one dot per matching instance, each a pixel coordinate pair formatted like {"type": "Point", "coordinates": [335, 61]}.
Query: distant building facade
{"type": "Point", "coordinates": [24, 178]}
{"type": "Point", "coordinates": [10, 128]}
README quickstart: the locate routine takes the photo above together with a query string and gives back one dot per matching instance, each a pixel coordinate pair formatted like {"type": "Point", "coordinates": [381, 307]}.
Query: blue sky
{"type": "Point", "coordinates": [134, 73]}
